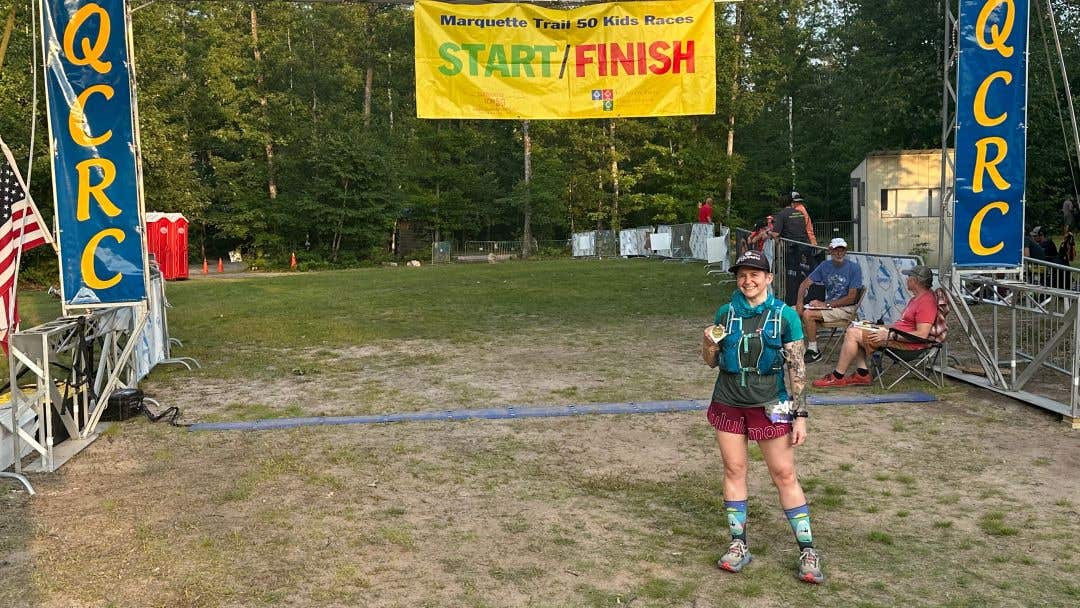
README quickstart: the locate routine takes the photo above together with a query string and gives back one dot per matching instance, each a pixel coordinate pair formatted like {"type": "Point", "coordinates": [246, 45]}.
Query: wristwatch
{"type": "Point", "coordinates": [801, 414]}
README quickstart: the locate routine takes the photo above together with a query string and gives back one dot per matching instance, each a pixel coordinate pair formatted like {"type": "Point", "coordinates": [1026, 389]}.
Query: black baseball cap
{"type": "Point", "coordinates": [751, 258]}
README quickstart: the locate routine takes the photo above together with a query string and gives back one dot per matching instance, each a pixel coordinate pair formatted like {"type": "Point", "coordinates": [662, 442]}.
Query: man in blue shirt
{"type": "Point", "coordinates": [842, 279]}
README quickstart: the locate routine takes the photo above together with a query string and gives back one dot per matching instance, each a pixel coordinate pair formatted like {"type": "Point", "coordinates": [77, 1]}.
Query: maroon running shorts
{"type": "Point", "coordinates": [749, 421]}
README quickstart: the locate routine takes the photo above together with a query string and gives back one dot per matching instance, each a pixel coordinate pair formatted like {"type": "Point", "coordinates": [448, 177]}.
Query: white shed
{"type": "Point", "coordinates": [896, 201]}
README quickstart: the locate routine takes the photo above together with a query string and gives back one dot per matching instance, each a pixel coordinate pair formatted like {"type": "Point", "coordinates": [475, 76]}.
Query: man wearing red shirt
{"type": "Point", "coordinates": [917, 319]}
{"type": "Point", "coordinates": [704, 212]}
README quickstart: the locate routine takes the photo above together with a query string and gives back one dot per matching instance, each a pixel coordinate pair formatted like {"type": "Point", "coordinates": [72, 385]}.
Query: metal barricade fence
{"type": "Point", "coordinates": [607, 243]}
{"type": "Point", "coordinates": [741, 245]}
{"type": "Point", "coordinates": [1049, 274]}
{"type": "Point", "coordinates": [441, 252]}
{"type": "Point", "coordinates": [474, 248]}
{"type": "Point", "coordinates": [634, 241]}
{"type": "Point", "coordinates": [595, 243]}
{"type": "Point", "coordinates": [700, 234]}
{"type": "Point", "coordinates": [827, 231]}
{"type": "Point", "coordinates": [583, 244]}
{"type": "Point", "coordinates": [680, 241]}
{"type": "Point", "coordinates": [663, 229]}
{"type": "Point", "coordinates": [768, 247]}
{"type": "Point", "coordinates": [742, 237]}
{"type": "Point", "coordinates": [1032, 334]}
{"type": "Point", "coordinates": [1037, 324]}
{"type": "Point", "coordinates": [791, 264]}
{"type": "Point", "coordinates": [554, 247]}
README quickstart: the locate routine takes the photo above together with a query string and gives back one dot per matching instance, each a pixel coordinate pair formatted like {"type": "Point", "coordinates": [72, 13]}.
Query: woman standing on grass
{"type": "Point", "coordinates": [755, 399]}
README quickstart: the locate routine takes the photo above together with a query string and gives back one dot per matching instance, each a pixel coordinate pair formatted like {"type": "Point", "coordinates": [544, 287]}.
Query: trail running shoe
{"type": "Point", "coordinates": [737, 556]}
{"type": "Point", "coordinates": [810, 567]}
{"type": "Point", "coordinates": [830, 381]}
{"type": "Point", "coordinates": [812, 356]}
{"type": "Point", "coordinates": [857, 380]}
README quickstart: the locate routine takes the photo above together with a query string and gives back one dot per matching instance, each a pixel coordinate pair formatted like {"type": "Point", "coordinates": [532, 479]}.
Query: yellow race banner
{"type": "Point", "coordinates": [521, 61]}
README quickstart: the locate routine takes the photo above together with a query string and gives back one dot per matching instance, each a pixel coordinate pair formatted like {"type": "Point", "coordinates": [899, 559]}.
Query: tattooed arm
{"type": "Point", "coordinates": [795, 373]}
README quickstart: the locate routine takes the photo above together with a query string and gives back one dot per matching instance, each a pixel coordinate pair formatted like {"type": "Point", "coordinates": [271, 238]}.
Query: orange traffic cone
{"type": "Point", "coordinates": [205, 268]}
{"type": "Point", "coordinates": [220, 266]}
{"type": "Point", "coordinates": [292, 261]}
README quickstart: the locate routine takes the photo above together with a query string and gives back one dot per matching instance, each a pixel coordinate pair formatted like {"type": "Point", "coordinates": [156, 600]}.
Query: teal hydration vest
{"type": "Point", "coordinates": [735, 350]}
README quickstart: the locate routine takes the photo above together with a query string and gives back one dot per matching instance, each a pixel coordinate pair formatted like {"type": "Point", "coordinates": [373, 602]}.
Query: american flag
{"type": "Point", "coordinates": [20, 225]}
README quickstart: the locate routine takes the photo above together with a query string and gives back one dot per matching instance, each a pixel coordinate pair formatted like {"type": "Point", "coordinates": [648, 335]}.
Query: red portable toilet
{"type": "Point", "coordinates": [167, 239]}
{"type": "Point", "coordinates": [157, 236]}
{"type": "Point", "coordinates": [178, 246]}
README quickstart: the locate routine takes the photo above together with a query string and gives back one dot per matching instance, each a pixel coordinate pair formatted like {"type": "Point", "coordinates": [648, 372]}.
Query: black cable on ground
{"type": "Point", "coordinates": [169, 414]}
{"type": "Point", "coordinates": [126, 403]}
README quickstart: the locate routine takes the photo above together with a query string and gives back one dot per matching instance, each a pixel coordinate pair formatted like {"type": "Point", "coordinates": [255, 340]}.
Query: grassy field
{"type": "Point", "coordinates": [970, 501]}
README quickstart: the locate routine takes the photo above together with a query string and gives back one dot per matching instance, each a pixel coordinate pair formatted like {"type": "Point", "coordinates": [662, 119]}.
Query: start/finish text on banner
{"type": "Point", "coordinates": [611, 58]}
{"type": "Point", "coordinates": [606, 60]}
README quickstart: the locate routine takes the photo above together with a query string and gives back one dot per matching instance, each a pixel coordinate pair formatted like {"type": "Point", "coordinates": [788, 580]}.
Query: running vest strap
{"type": "Point", "coordinates": [736, 353]}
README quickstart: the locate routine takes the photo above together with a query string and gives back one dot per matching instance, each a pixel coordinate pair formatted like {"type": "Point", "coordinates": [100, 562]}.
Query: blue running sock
{"type": "Point", "coordinates": [736, 518]}
{"type": "Point", "coordinates": [799, 518]}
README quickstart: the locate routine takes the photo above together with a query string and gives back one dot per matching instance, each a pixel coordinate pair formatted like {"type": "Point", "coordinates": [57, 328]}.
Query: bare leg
{"type": "Point", "coordinates": [780, 458]}
{"type": "Point", "coordinates": [852, 351]}
{"type": "Point", "coordinates": [849, 349]}
{"type": "Point", "coordinates": [809, 322]}
{"type": "Point", "coordinates": [733, 453]}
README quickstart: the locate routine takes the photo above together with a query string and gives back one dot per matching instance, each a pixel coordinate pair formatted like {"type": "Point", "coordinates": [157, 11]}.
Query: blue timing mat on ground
{"type": "Point", "coordinates": [502, 413]}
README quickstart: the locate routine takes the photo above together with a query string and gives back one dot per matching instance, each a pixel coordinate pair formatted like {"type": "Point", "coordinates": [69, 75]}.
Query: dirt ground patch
{"type": "Point", "coordinates": [969, 501]}
{"type": "Point", "coordinates": [601, 510]}
{"type": "Point", "coordinates": [431, 374]}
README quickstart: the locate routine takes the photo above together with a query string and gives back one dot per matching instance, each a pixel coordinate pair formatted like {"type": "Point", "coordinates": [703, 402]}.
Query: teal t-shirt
{"type": "Point", "coordinates": [759, 389]}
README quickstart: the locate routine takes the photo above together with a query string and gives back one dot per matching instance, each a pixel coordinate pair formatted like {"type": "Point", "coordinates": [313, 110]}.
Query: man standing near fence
{"type": "Point", "coordinates": [842, 279]}
{"type": "Point", "coordinates": [1050, 250]}
{"type": "Point", "coordinates": [792, 223]}
{"type": "Point", "coordinates": [1068, 210]}
{"type": "Point", "coordinates": [704, 213]}
{"type": "Point", "coordinates": [797, 205]}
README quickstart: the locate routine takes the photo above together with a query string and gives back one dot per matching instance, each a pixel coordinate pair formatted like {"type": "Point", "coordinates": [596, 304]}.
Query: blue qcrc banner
{"type": "Point", "coordinates": [95, 172]}
{"type": "Point", "coordinates": [991, 135]}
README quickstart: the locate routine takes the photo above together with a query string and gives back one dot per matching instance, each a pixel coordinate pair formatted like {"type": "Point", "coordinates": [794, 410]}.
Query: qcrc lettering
{"type": "Point", "coordinates": [991, 150]}
{"type": "Point", "coordinates": [95, 174]}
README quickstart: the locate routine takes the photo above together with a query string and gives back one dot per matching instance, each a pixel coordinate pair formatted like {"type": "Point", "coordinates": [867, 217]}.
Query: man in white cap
{"type": "Point", "coordinates": [842, 279]}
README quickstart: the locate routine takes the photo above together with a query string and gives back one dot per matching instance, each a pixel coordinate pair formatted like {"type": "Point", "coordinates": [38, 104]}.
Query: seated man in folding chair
{"type": "Point", "coordinates": [917, 319]}
{"type": "Point", "coordinates": [842, 279]}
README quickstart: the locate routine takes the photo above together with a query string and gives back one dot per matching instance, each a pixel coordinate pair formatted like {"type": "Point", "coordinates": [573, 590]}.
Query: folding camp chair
{"type": "Point", "coordinates": [838, 328]}
{"type": "Point", "coordinates": [922, 362]}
